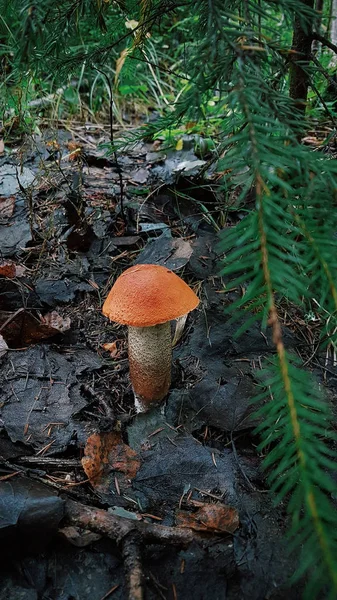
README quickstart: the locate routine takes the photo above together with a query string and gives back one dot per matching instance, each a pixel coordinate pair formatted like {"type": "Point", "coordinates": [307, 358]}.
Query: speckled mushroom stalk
{"type": "Point", "coordinates": [147, 298]}
{"type": "Point", "coordinates": [150, 357]}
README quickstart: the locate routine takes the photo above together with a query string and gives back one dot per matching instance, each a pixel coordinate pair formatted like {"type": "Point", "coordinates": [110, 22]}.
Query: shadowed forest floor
{"type": "Point", "coordinates": [68, 428]}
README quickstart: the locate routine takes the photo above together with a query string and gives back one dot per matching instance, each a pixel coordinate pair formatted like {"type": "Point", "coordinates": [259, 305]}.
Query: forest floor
{"type": "Point", "coordinates": [185, 479]}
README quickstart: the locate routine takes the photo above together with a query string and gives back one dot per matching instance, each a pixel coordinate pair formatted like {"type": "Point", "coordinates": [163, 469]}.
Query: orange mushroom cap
{"type": "Point", "coordinates": [147, 295]}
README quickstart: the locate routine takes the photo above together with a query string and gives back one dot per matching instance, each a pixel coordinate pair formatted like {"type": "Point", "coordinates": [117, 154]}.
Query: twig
{"type": "Point", "coordinates": [114, 152]}
{"type": "Point", "coordinates": [324, 41]}
{"type": "Point", "coordinates": [130, 534]}
{"type": "Point", "coordinates": [246, 478]}
{"type": "Point", "coordinates": [117, 528]}
{"type": "Point", "coordinates": [11, 317]}
{"type": "Point", "coordinates": [50, 461]}
{"type": "Point", "coordinates": [111, 591]}
{"type": "Point", "coordinates": [133, 565]}
{"type": "Point", "coordinates": [323, 71]}
{"type": "Point", "coordinates": [319, 95]}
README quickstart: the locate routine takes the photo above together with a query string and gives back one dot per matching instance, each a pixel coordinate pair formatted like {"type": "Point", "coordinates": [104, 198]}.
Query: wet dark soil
{"type": "Point", "coordinates": [68, 241]}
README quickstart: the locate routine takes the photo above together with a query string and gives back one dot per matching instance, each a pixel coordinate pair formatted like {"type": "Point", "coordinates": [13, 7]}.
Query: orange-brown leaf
{"type": "Point", "coordinates": [106, 453]}
{"type": "Point", "coordinates": [210, 517]}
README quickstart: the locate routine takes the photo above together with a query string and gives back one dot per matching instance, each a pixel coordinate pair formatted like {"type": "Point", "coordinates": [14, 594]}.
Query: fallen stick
{"type": "Point", "coordinates": [116, 528]}
{"type": "Point", "coordinates": [129, 534]}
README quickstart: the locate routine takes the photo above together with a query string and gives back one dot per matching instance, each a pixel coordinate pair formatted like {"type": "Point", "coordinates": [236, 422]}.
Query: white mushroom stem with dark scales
{"type": "Point", "coordinates": [150, 357]}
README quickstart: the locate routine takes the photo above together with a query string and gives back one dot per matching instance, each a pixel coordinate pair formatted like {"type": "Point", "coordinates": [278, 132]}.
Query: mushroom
{"type": "Point", "coordinates": [147, 298]}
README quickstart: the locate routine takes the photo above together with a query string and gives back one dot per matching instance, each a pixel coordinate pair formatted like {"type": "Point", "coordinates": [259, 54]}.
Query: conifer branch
{"type": "Point", "coordinates": [295, 419]}
{"type": "Point", "coordinates": [326, 269]}
{"type": "Point", "coordinates": [304, 479]}
{"type": "Point", "coordinates": [324, 41]}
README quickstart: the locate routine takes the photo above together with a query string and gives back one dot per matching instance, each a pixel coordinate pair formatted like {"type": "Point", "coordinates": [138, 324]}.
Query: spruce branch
{"type": "Point", "coordinates": [268, 249]}
{"type": "Point", "coordinates": [324, 41]}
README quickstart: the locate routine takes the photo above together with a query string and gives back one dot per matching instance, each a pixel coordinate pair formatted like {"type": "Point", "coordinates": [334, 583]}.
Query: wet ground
{"type": "Point", "coordinates": [66, 404]}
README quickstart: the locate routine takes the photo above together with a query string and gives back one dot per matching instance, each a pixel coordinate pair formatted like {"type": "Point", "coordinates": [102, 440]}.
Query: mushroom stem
{"type": "Point", "coordinates": [150, 357]}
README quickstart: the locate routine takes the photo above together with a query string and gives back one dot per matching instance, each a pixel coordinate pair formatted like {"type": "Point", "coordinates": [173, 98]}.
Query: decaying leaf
{"type": "Point", "coordinates": [181, 249]}
{"type": "Point", "coordinates": [106, 454]}
{"type": "Point", "coordinates": [9, 269]}
{"type": "Point", "coordinates": [21, 327]}
{"type": "Point", "coordinates": [6, 206]}
{"type": "Point", "coordinates": [56, 322]}
{"type": "Point", "coordinates": [112, 348]}
{"type": "Point", "coordinates": [3, 346]}
{"type": "Point", "coordinates": [210, 517]}
{"type": "Point", "coordinates": [311, 140]}
{"type": "Point", "coordinates": [189, 165]}
{"type": "Point", "coordinates": [78, 537]}
{"type": "Point", "coordinates": [75, 150]}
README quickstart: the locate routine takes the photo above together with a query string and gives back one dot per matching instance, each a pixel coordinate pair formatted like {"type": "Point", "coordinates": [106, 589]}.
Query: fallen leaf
{"type": "Point", "coordinates": [22, 328]}
{"type": "Point", "coordinates": [2, 147]}
{"type": "Point", "coordinates": [106, 453]}
{"type": "Point", "coordinates": [210, 517]}
{"type": "Point", "coordinates": [56, 322]}
{"type": "Point", "coordinates": [180, 144]}
{"type": "Point", "coordinates": [78, 537]}
{"type": "Point", "coordinates": [181, 249]}
{"type": "Point", "coordinates": [75, 150]}
{"type": "Point", "coordinates": [311, 141]}
{"type": "Point", "coordinates": [112, 348]}
{"type": "Point", "coordinates": [125, 240]}
{"type": "Point", "coordinates": [20, 270]}
{"type": "Point", "coordinates": [6, 206]}
{"type": "Point", "coordinates": [156, 145]}
{"type": "Point", "coordinates": [189, 165]}
{"type": "Point", "coordinates": [3, 346]}
{"type": "Point", "coordinates": [9, 269]}
{"type": "Point", "coordinates": [140, 175]}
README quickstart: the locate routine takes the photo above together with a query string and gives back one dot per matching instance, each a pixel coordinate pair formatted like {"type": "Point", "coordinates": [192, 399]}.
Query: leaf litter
{"type": "Point", "coordinates": [177, 492]}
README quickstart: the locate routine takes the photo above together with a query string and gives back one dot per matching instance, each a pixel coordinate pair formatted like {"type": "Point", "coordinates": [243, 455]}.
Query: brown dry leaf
{"type": "Point", "coordinates": [181, 249]}
{"type": "Point", "coordinates": [2, 147]}
{"type": "Point", "coordinates": [210, 517]}
{"type": "Point", "coordinates": [120, 62]}
{"type": "Point", "coordinates": [78, 537]}
{"type": "Point", "coordinates": [311, 140]}
{"type": "Point", "coordinates": [75, 150]}
{"type": "Point", "coordinates": [22, 328]}
{"type": "Point", "coordinates": [112, 348]}
{"type": "Point", "coordinates": [7, 269]}
{"type": "Point", "coordinates": [3, 346]}
{"type": "Point", "coordinates": [156, 145]}
{"type": "Point", "coordinates": [6, 206]}
{"type": "Point", "coordinates": [53, 145]}
{"type": "Point", "coordinates": [106, 453]}
{"type": "Point", "coordinates": [56, 322]}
